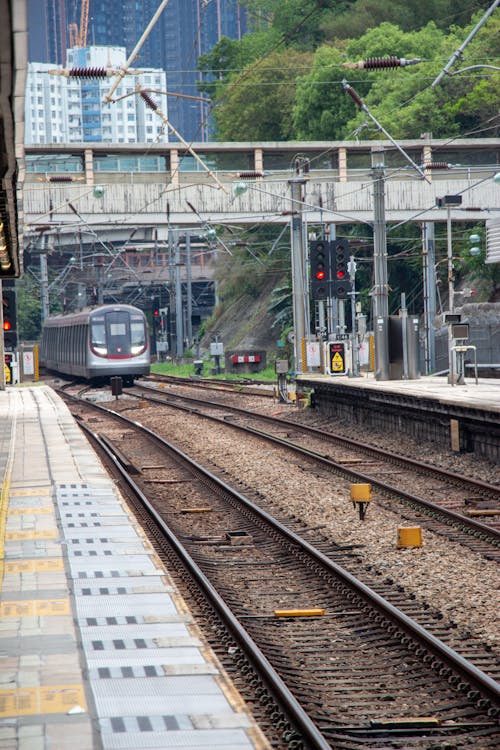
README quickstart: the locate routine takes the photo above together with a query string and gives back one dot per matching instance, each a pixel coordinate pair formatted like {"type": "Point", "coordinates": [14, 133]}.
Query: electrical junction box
{"type": "Point", "coordinates": [216, 349]}
{"type": "Point", "coordinates": [460, 331]}
{"type": "Point", "coordinates": [281, 366]}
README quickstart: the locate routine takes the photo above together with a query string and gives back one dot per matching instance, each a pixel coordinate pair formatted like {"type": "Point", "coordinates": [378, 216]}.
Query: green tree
{"type": "Point", "coordinates": [29, 309]}
{"type": "Point", "coordinates": [259, 106]}
{"type": "Point", "coordinates": [403, 100]}
{"type": "Point", "coordinates": [227, 59]}
{"type": "Point", "coordinates": [321, 108]}
{"type": "Point", "coordinates": [355, 19]}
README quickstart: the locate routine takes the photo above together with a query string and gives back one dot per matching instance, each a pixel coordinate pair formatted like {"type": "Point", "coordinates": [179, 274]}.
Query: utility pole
{"type": "Point", "coordinates": [380, 289]}
{"type": "Point", "coordinates": [429, 279]}
{"type": "Point", "coordinates": [171, 285]}
{"type": "Point", "coordinates": [44, 282]}
{"type": "Point", "coordinates": [333, 303]}
{"type": "Point", "coordinates": [299, 286]}
{"type": "Point", "coordinates": [354, 336]}
{"type": "Point", "coordinates": [178, 302]}
{"type": "Point", "coordinates": [189, 299]}
{"type": "Point", "coordinates": [99, 262]}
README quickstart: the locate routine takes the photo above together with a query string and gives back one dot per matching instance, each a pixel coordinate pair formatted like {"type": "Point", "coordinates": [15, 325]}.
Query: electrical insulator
{"type": "Point", "coordinates": [249, 175]}
{"type": "Point", "coordinates": [437, 165]}
{"type": "Point", "coordinates": [353, 94]}
{"type": "Point", "coordinates": [88, 73]}
{"type": "Point", "coordinates": [149, 101]}
{"type": "Point", "coordinates": [378, 63]}
{"type": "Point", "coordinates": [61, 178]}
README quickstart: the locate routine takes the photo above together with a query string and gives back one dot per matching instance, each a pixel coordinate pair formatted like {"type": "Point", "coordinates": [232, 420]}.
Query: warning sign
{"type": "Point", "coordinates": [336, 358]}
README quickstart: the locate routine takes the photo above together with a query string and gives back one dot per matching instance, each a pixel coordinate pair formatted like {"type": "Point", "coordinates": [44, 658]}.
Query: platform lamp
{"type": "Point", "coordinates": [448, 202]}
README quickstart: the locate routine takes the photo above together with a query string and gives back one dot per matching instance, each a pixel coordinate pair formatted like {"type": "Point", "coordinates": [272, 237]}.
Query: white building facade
{"type": "Point", "coordinates": [71, 109]}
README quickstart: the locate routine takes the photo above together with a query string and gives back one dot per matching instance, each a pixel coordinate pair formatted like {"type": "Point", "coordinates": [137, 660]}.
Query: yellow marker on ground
{"type": "Point", "coordinates": [55, 699]}
{"type": "Point", "coordinates": [317, 612]}
{"type": "Point", "coordinates": [409, 536]}
{"type": "Point", "coordinates": [35, 608]}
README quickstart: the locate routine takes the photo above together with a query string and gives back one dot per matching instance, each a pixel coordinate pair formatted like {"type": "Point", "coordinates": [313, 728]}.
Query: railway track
{"type": "Point", "coordinates": [247, 386]}
{"type": "Point", "coordinates": [459, 507]}
{"type": "Point", "coordinates": [358, 671]}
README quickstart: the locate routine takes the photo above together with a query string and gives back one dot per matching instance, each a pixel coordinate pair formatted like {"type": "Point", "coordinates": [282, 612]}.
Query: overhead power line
{"type": "Point", "coordinates": [459, 51]}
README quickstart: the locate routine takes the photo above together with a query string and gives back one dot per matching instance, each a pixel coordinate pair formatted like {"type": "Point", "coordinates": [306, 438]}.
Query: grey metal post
{"type": "Point", "coordinates": [299, 287]}
{"type": "Point", "coordinates": [332, 310]}
{"type": "Point", "coordinates": [354, 336]}
{"type": "Point", "coordinates": [100, 278]}
{"type": "Point", "coordinates": [189, 292]}
{"type": "Point", "coordinates": [380, 289]}
{"type": "Point", "coordinates": [452, 357]}
{"type": "Point", "coordinates": [44, 285]}
{"type": "Point", "coordinates": [171, 289]}
{"type": "Point", "coordinates": [178, 303]}
{"type": "Point", "coordinates": [429, 284]}
{"type": "Point", "coordinates": [404, 321]}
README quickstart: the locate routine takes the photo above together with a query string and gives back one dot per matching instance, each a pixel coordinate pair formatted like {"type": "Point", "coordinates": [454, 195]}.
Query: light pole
{"type": "Point", "coordinates": [380, 287]}
{"type": "Point", "coordinates": [299, 288]}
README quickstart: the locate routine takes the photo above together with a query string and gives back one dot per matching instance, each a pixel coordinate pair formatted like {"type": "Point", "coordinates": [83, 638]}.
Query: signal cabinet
{"type": "Point", "coordinates": [337, 355]}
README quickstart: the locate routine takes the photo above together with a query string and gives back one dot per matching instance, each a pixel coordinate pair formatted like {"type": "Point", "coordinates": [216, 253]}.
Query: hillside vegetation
{"type": "Point", "coordinates": [284, 80]}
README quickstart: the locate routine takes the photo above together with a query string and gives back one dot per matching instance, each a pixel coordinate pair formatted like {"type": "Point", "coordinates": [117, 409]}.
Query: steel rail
{"type": "Point", "coordinates": [289, 703]}
{"type": "Point", "coordinates": [469, 525]}
{"type": "Point", "coordinates": [474, 484]}
{"type": "Point", "coordinates": [486, 686]}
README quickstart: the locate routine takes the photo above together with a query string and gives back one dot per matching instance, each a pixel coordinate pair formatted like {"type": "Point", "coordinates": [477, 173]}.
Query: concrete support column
{"type": "Point", "coordinates": [89, 166]}
{"type": "Point", "coordinates": [174, 166]}
{"type": "Point", "coordinates": [258, 156]}
{"type": "Point", "coordinates": [342, 164]}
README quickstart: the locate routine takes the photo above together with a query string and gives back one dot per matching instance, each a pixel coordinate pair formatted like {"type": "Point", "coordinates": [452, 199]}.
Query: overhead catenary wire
{"type": "Point", "coordinates": [123, 70]}
{"type": "Point", "coordinates": [458, 53]}
{"type": "Point", "coordinates": [357, 99]}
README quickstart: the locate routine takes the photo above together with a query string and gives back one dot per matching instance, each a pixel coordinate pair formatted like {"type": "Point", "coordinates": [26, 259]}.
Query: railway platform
{"type": "Point", "coordinates": [458, 417]}
{"type": "Point", "coordinates": [98, 650]}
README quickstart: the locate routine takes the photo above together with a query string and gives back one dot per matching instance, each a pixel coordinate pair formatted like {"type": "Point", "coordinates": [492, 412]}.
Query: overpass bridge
{"type": "Point", "coordinates": [118, 188]}
{"type": "Point", "coordinates": [159, 199]}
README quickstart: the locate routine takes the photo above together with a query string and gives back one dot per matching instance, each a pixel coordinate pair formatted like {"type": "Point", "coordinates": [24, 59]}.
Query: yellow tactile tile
{"type": "Point", "coordinates": [35, 608]}
{"type": "Point", "coordinates": [53, 699]}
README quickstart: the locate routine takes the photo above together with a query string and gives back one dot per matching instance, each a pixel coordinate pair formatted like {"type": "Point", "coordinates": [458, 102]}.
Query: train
{"type": "Point", "coordinates": [97, 343]}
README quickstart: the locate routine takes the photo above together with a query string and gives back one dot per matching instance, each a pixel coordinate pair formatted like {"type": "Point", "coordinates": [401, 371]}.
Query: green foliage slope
{"type": "Point", "coordinates": [285, 81]}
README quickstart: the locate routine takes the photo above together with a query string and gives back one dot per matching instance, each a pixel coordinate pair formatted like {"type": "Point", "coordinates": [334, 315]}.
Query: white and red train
{"type": "Point", "coordinates": [98, 343]}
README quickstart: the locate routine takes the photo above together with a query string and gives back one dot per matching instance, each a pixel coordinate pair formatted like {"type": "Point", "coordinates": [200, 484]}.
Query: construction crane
{"type": "Point", "coordinates": [78, 35]}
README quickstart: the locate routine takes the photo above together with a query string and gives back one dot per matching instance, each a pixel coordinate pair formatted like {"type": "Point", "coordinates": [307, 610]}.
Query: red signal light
{"type": "Point", "coordinates": [320, 275]}
{"type": "Point", "coordinates": [340, 274]}
{"type": "Point", "coordinates": [7, 325]}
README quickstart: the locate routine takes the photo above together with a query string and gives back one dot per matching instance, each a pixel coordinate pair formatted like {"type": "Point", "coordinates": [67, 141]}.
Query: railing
{"type": "Point", "coordinates": [142, 183]}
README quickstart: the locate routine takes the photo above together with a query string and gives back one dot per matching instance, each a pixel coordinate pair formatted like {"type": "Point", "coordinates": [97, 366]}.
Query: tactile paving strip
{"type": "Point", "coordinates": [152, 685]}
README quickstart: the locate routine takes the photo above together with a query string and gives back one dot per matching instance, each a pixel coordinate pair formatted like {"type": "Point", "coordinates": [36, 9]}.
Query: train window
{"type": "Point", "coordinates": [137, 335]}
{"type": "Point", "coordinates": [117, 329]}
{"type": "Point", "coordinates": [98, 336]}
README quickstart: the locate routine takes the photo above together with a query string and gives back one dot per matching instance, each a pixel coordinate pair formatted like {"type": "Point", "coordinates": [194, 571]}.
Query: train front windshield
{"type": "Point", "coordinates": [118, 334]}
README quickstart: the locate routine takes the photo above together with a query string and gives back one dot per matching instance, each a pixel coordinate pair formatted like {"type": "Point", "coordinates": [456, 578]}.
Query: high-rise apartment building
{"type": "Point", "coordinates": [185, 30]}
{"type": "Point", "coordinates": [60, 109]}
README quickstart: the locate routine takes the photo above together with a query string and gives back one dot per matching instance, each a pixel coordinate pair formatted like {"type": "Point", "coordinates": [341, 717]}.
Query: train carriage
{"type": "Point", "coordinates": [98, 343]}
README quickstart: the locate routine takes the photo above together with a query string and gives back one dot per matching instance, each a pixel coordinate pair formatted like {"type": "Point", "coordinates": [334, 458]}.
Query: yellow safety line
{"type": "Point", "coordinates": [4, 499]}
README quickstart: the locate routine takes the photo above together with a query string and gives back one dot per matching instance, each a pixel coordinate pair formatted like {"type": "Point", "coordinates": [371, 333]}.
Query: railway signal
{"type": "Point", "coordinates": [342, 285]}
{"type": "Point", "coordinates": [319, 259]}
{"type": "Point", "coordinates": [9, 318]}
